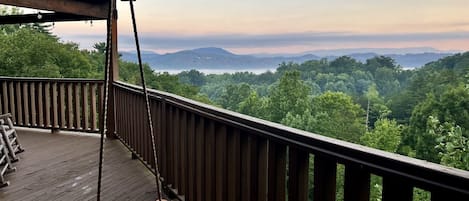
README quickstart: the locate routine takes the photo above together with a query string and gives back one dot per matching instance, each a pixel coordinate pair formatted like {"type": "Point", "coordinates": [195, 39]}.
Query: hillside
{"type": "Point", "coordinates": [218, 58]}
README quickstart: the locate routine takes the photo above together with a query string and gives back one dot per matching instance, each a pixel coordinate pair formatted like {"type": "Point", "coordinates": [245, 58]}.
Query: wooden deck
{"type": "Point", "coordinates": [64, 167]}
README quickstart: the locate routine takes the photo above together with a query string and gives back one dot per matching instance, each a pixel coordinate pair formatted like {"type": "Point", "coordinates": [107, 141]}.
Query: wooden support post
{"type": "Point", "coordinates": [113, 76]}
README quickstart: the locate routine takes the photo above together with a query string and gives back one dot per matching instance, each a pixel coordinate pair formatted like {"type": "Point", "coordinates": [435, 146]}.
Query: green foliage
{"type": "Point", "coordinates": [453, 146]}
{"type": "Point", "coordinates": [332, 114]}
{"type": "Point", "coordinates": [234, 95]}
{"type": "Point", "coordinates": [30, 53]}
{"type": "Point", "coordinates": [192, 77]}
{"type": "Point", "coordinates": [254, 106]}
{"type": "Point", "coordinates": [386, 135]}
{"type": "Point", "coordinates": [338, 116]}
{"type": "Point", "coordinates": [290, 95]}
{"type": "Point", "coordinates": [451, 106]}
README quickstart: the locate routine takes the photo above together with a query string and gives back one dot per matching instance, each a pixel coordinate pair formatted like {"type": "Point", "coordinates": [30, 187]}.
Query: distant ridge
{"type": "Point", "coordinates": [219, 58]}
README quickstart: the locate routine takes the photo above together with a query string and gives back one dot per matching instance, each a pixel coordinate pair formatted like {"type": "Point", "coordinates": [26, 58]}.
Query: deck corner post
{"type": "Point", "coordinates": [113, 76]}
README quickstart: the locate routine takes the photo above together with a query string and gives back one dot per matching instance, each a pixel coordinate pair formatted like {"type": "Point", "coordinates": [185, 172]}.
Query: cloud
{"type": "Point", "coordinates": [166, 41]}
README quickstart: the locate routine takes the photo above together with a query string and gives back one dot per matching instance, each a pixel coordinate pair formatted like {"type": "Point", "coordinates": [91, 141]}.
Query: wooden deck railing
{"type": "Point", "coordinates": [65, 104]}
{"type": "Point", "coordinates": [206, 153]}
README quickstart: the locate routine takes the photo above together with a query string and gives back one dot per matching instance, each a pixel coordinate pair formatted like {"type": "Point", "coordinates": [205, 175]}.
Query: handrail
{"type": "Point", "coordinates": [33, 79]}
{"type": "Point", "coordinates": [52, 103]}
{"type": "Point", "coordinates": [440, 180]}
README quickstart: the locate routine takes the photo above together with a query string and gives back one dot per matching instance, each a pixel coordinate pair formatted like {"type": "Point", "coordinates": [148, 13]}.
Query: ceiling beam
{"type": "Point", "coordinates": [43, 17]}
{"type": "Point", "coordinates": [97, 8]}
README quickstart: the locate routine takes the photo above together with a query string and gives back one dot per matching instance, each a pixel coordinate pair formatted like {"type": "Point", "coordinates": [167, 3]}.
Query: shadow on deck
{"type": "Point", "coordinates": [65, 167]}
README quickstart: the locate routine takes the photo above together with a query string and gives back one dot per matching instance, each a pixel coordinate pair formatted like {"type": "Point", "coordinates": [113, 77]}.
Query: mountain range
{"type": "Point", "coordinates": [218, 58]}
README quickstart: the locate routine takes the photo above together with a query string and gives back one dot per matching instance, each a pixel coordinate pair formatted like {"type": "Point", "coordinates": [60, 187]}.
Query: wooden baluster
{"type": "Point", "coordinates": [51, 104]}
{"type": "Point", "coordinates": [100, 103]}
{"type": "Point", "coordinates": [69, 97]}
{"type": "Point", "coordinates": [210, 161]}
{"type": "Point", "coordinates": [62, 105]}
{"type": "Point", "coordinates": [77, 100]}
{"type": "Point", "coordinates": [170, 137]}
{"type": "Point", "coordinates": [234, 165]}
{"type": "Point", "coordinates": [277, 171]}
{"type": "Point", "coordinates": [33, 114]}
{"type": "Point", "coordinates": [357, 184]}
{"type": "Point", "coordinates": [2, 94]}
{"type": "Point", "coordinates": [11, 93]}
{"type": "Point", "coordinates": [176, 150]}
{"type": "Point", "coordinates": [396, 189]}
{"type": "Point", "coordinates": [183, 152]}
{"type": "Point", "coordinates": [200, 158]}
{"type": "Point", "coordinates": [324, 178]}
{"type": "Point", "coordinates": [93, 104]}
{"type": "Point", "coordinates": [41, 105]}
{"type": "Point", "coordinates": [191, 183]}
{"type": "Point", "coordinates": [84, 106]}
{"type": "Point", "coordinates": [298, 164]}
{"type": "Point", "coordinates": [19, 105]}
{"type": "Point", "coordinates": [25, 97]}
{"type": "Point", "coordinates": [249, 167]}
{"type": "Point", "coordinates": [220, 163]}
{"type": "Point", "coordinates": [5, 97]}
{"type": "Point", "coordinates": [141, 122]}
{"type": "Point", "coordinates": [162, 140]}
{"type": "Point", "coordinates": [262, 170]}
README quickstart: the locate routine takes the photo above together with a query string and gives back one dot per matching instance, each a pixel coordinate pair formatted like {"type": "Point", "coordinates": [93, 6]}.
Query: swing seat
{"type": "Point", "coordinates": [10, 137]}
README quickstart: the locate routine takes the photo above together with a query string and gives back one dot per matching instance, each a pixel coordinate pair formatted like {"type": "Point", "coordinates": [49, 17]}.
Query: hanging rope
{"type": "Point", "coordinates": [145, 92]}
{"type": "Point", "coordinates": [106, 94]}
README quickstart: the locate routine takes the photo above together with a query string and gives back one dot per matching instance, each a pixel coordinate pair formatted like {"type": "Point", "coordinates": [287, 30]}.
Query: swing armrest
{"type": "Point", "coordinates": [5, 116]}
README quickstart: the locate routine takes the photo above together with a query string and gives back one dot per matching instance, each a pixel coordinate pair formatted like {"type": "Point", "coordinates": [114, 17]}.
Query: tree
{"type": "Point", "coordinates": [234, 95]}
{"type": "Point", "coordinates": [453, 146]}
{"type": "Point", "coordinates": [192, 77]}
{"type": "Point", "coordinates": [375, 107]}
{"type": "Point", "coordinates": [28, 52]}
{"type": "Point", "coordinates": [451, 106]}
{"type": "Point", "coordinates": [338, 116]}
{"type": "Point", "coordinates": [386, 135]}
{"type": "Point", "coordinates": [254, 106]}
{"type": "Point", "coordinates": [291, 94]}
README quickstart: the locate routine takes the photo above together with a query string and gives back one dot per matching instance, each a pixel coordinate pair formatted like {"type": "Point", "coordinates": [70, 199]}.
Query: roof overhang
{"type": "Point", "coordinates": [97, 9]}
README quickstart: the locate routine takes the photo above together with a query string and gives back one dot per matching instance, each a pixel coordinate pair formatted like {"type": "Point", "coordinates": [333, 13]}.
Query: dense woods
{"type": "Point", "coordinates": [422, 113]}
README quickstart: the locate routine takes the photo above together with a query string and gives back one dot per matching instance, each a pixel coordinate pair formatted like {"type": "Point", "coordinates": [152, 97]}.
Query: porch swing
{"type": "Point", "coordinates": [111, 15]}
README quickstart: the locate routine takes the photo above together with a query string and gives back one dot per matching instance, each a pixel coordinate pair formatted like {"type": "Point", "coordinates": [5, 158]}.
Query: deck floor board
{"type": "Point", "coordinates": [65, 167]}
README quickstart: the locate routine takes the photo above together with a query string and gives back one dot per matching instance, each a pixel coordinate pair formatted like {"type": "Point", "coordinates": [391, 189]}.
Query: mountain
{"type": "Point", "coordinates": [411, 60]}
{"type": "Point", "coordinates": [379, 51]}
{"type": "Point", "coordinates": [212, 58]}
{"type": "Point", "coordinates": [218, 58]}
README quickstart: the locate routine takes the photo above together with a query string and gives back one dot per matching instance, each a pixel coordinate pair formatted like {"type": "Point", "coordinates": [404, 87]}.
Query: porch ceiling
{"type": "Point", "coordinates": [90, 8]}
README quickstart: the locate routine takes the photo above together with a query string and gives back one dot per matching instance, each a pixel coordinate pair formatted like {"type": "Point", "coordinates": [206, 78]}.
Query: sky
{"type": "Point", "coordinates": [283, 26]}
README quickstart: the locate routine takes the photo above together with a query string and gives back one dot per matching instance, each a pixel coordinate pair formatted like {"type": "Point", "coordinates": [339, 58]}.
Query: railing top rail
{"type": "Point", "coordinates": [34, 79]}
{"type": "Point", "coordinates": [423, 173]}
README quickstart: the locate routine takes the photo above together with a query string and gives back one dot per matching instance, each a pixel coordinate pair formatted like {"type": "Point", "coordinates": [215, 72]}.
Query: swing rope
{"type": "Point", "coordinates": [145, 92]}
{"type": "Point", "coordinates": [106, 95]}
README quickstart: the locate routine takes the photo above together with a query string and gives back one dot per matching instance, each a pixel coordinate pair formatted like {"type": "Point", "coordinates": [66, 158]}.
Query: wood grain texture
{"type": "Point", "coordinates": [64, 167]}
